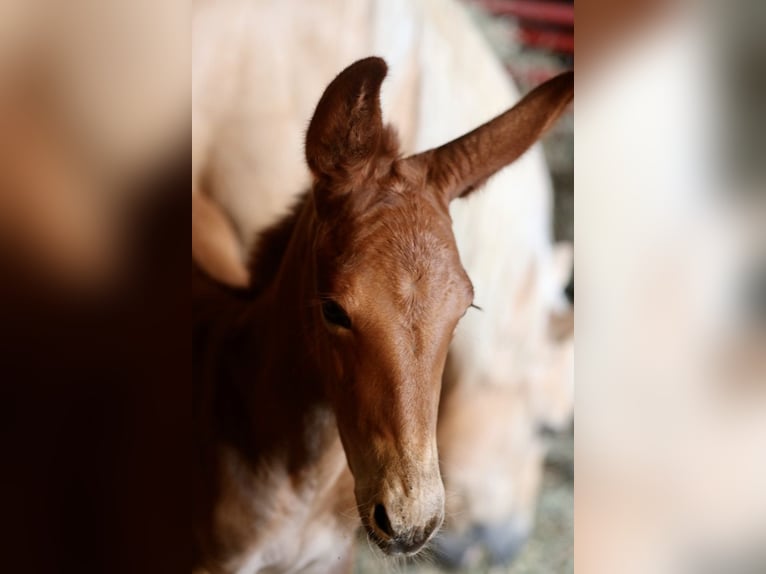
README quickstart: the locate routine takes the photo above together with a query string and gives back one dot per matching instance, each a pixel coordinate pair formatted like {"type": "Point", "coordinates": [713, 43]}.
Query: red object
{"type": "Point", "coordinates": [546, 25]}
{"type": "Point", "coordinates": [554, 40]}
{"type": "Point", "coordinates": [557, 13]}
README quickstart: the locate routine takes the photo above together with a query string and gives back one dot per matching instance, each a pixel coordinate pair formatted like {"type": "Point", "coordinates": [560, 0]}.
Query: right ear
{"type": "Point", "coordinates": [462, 165]}
{"type": "Point", "coordinates": [346, 131]}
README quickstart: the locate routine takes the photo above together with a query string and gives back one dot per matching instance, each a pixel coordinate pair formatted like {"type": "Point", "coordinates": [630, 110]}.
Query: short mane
{"type": "Point", "coordinates": [270, 246]}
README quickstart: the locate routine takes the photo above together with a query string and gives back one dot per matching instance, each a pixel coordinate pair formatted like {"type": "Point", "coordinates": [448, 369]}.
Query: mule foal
{"type": "Point", "coordinates": [332, 359]}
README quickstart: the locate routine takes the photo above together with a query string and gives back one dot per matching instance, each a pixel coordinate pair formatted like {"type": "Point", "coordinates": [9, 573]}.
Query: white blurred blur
{"type": "Point", "coordinates": [671, 397]}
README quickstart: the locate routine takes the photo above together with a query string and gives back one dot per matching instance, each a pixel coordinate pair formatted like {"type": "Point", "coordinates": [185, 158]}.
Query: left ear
{"type": "Point", "coordinates": [462, 165]}
{"type": "Point", "coordinates": [347, 126]}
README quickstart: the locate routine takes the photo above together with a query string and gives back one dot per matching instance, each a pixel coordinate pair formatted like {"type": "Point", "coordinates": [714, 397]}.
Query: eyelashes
{"type": "Point", "coordinates": [335, 314]}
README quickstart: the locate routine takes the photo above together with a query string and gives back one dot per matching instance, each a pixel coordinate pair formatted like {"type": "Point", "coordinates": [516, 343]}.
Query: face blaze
{"type": "Point", "coordinates": [392, 289]}
{"type": "Point", "coordinates": [401, 284]}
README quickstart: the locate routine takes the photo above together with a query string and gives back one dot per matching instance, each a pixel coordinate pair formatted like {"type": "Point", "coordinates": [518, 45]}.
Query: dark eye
{"type": "Point", "coordinates": [334, 313]}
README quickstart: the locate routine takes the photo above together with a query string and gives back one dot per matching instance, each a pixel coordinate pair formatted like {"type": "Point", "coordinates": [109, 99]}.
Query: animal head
{"type": "Point", "coordinates": [391, 286]}
{"type": "Point", "coordinates": [492, 462]}
{"type": "Point", "coordinates": [494, 416]}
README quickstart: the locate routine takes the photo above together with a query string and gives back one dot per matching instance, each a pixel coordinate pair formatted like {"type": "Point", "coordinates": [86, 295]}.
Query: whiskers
{"type": "Point", "coordinates": [373, 560]}
{"type": "Point", "coordinates": [426, 558]}
{"type": "Point", "coordinates": [352, 514]}
{"type": "Point", "coordinates": [349, 517]}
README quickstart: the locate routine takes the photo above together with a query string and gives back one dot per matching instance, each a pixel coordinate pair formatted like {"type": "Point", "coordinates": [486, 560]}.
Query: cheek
{"type": "Point", "coordinates": [339, 363]}
{"type": "Point", "coordinates": [442, 351]}
{"type": "Point", "coordinates": [337, 359]}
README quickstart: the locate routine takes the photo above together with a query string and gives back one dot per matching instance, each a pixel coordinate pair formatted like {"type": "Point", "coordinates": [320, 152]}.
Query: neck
{"type": "Point", "coordinates": [268, 387]}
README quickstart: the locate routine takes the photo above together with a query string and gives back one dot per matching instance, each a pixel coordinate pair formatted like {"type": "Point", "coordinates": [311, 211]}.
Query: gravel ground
{"type": "Point", "coordinates": [551, 548]}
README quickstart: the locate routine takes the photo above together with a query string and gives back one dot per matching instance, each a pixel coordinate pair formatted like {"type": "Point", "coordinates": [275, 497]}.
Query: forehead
{"type": "Point", "coordinates": [399, 242]}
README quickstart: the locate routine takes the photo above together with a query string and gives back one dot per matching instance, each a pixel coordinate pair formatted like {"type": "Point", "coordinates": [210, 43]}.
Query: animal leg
{"type": "Point", "coordinates": [215, 245]}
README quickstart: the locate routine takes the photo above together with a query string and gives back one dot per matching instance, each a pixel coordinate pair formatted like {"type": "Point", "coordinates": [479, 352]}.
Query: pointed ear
{"type": "Point", "coordinates": [346, 130]}
{"type": "Point", "coordinates": [462, 165]}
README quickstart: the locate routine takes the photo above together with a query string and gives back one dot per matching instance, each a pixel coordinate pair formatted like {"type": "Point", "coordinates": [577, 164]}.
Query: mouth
{"type": "Point", "coordinates": [393, 547]}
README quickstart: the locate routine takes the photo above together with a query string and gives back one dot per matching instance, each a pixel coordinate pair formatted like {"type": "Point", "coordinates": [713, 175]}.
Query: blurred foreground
{"type": "Point", "coordinates": [670, 211]}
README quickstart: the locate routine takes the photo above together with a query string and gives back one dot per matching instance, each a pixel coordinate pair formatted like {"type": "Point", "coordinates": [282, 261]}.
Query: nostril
{"type": "Point", "coordinates": [381, 520]}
